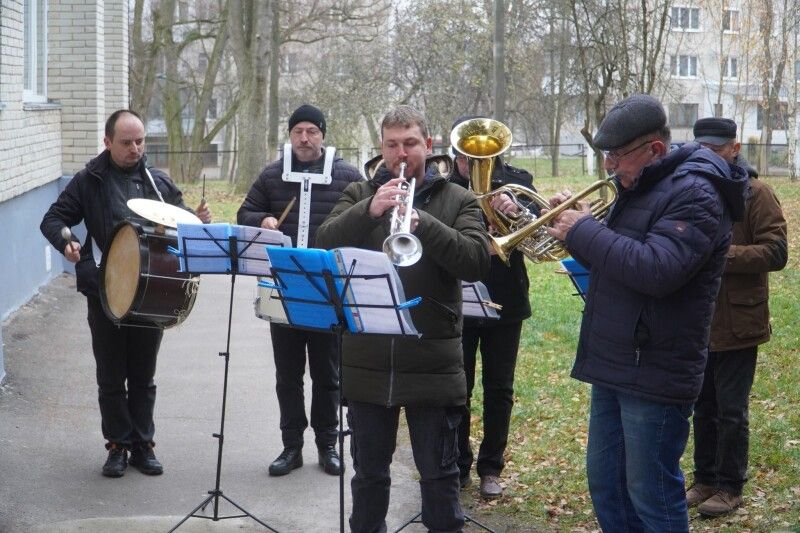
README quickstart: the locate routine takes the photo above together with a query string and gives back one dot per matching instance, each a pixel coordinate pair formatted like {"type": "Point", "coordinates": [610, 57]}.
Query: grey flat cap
{"type": "Point", "coordinates": [714, 130]}
{"type": "Point", "coordinates": [629, 119]}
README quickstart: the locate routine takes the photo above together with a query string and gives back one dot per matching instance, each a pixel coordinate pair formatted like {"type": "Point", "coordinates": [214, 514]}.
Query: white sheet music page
{"type": "Point", "coordinates": [474, 295]}
{"type": "Point", "coordinates": [253, 242]}
{"type": "Point", "coordinates": [385, 318]}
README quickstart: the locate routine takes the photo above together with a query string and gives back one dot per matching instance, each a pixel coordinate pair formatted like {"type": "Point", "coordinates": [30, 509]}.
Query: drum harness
{"type": "Point", "coordinates": [306, 180]}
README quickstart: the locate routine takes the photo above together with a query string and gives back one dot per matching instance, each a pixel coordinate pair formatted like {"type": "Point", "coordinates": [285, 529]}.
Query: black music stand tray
{"type": "Point", "coordinates": [231, 254]}
{"type": "Point", "coordinates": [327, 294]}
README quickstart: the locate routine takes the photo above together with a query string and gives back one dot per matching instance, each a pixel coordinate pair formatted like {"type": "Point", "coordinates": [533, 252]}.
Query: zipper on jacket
{"type": "Point", "coordinates": [391, 372]}
{"type": "Point", "coordinates": [638, 355]}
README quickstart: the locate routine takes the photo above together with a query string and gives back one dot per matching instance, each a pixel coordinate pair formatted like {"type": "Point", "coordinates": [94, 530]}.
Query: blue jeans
{"type": "Point", "coordinates": [633, 462]}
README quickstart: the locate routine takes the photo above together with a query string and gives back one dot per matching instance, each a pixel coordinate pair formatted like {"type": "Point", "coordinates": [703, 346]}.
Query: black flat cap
{"type": "Point", "coordinates": [629, 119]}
{"type": "Point", "coordinates": [308, 113]}
{"type": "Point", "coordinates": [713, 130]}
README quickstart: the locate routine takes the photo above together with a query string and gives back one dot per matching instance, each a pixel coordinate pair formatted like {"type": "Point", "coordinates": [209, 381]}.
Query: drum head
{"type": "Point", "coordinates": [162, 213]}
{"type": "Point", "coordinates": [122, 269]}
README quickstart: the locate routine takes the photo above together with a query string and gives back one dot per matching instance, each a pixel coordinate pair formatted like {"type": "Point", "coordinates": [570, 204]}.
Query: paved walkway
{"type": "Point", "coordinates": [51, 448]}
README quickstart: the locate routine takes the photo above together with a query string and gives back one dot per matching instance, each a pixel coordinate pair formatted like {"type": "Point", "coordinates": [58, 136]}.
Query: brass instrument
{"type": "Point", "coordinates": [402, 246]}
{"type": "Point", "coordinates": [482, 140]}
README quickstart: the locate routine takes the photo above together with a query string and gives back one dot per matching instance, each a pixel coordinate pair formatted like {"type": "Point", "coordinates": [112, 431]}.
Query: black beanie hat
{"type": "Point", "coordinates": [308, 113]}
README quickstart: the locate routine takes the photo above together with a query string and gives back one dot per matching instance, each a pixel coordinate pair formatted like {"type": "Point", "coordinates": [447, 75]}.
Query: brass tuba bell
{"type": "Point", "coordinates": [482, 140]}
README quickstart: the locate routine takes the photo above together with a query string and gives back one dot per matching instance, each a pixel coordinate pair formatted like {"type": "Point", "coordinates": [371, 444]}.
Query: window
{"type": "Point", "coordinates": [730, 20]}
{"type": "Point", "coordinates": [730, 68]}
{"type": "Point", "coordinates": [35, 62]}
{"type": "Point", "coordinates": [685, 18]}
{"type": "Point", "coordinates": [779, 116]}
{"type": "Point", "coordinates": [683, 66]}
{"type": "Point", "coordinates": [682, 115]}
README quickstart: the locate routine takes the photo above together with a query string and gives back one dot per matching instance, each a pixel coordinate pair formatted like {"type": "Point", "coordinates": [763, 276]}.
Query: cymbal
{"type": "Point", "coordinates": [162, 213]}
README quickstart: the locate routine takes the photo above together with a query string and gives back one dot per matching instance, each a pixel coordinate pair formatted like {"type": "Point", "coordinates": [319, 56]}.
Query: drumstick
{"type": "Point", "coordinates": [203, 196]}
{"type": "Point", "coordinates": [66, 234]}
{"type": "Point", "coordinates": [285, 212]}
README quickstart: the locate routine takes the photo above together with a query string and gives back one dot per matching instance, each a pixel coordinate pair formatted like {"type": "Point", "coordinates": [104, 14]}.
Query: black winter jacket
{"type": "Point", "coordinates": [86, 198]}
{"type": "Point", "coordinates": [508, 284]}
{"type": "Point", "coordinates": [405, 370]}
{"type": "Point", "coordinates": [655, 267]}
{"type": "Point", "coordinates": [270, 195]}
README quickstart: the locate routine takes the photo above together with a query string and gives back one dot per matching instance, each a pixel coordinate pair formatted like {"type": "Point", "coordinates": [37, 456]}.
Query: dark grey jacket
{"type": "Point", "coordinates": [270, 195]}
{"type": "Point", "coordinates": [405, 370]}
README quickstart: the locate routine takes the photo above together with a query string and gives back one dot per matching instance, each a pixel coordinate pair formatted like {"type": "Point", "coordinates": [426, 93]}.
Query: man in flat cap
{"type": "Point", "coordinates": [740, 324]}
{"type": "Point", "coordinates": [655, 265]}
{"type": "Point", "coordinates": [311, 179]}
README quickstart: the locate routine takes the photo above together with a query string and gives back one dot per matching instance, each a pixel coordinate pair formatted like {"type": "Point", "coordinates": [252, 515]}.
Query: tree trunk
{"type": "Point", "coordinates": [274, 82]}
{"type": "Point", "coordinates": [499, 60]}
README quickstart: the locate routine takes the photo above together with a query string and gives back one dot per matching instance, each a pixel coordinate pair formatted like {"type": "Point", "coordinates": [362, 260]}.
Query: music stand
{"type": "Point", "coordinates": [577, 274]}
{"type": "Point", "coordinates": [316, 288]}
{"type": "Point", "coordinates": [216, 254]}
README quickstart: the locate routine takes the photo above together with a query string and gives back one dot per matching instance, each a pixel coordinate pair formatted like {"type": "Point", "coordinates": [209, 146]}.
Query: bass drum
{"type": "Point", "coordinates": [140, 284]}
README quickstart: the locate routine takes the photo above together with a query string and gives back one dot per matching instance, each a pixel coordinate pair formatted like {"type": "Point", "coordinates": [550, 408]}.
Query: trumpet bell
{"type": "Point", "coordinates": [403, 249]}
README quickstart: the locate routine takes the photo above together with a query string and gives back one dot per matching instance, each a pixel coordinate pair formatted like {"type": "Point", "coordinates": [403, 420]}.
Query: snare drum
{"type": "Point", "coordinates": [139, 279]}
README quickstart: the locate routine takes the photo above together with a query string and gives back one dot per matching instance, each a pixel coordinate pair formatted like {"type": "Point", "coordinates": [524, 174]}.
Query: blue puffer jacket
{"type": "Point", "coordinates": [655, 265]}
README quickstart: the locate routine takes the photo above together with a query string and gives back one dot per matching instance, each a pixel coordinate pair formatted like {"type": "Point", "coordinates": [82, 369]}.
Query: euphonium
{"type": "Point", "coordinates": [402, 246]}
{"type": "Point", "coordinates": [482, 140]}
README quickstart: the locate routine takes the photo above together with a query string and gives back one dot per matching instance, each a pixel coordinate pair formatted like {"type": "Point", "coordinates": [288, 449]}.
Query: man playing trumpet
{"type": "Point", "coordinates": [425, 375]}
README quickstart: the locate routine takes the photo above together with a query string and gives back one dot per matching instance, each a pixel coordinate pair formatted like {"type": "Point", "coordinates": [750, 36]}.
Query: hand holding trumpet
{"type": "Point", "coordinates": [564, 222]}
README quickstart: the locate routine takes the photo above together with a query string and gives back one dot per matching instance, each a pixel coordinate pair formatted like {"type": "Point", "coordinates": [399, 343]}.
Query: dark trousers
{"type": "Point", "coordinates": [433, 432]}
{"type": "Point", "coordinates": [289, 348]}
{"type": "Point", "coordinates": [499, 345]}
{"type": "Point", "coordinates": [124, 354]}
{"type": "Point", "coordinates": [722, 420]}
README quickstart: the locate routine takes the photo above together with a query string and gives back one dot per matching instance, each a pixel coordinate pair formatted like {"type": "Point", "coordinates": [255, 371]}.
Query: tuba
{"type": "Point", "coordinates": [482, 140]}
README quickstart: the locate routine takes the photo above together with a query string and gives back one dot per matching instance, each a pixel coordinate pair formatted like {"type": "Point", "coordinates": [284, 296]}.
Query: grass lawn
{"type": "Point", "coordinates": [545, 475]}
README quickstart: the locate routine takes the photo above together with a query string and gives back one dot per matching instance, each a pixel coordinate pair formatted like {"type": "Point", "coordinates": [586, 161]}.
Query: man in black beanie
{"type": "Point", "coordinates": [740, 324]}
{"type": "Point", "coordinates": [655, 264]}
{"type": "Point", "coordinates": [283, 182]}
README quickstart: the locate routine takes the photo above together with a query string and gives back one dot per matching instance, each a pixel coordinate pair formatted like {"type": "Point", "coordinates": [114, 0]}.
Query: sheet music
{"type": "Point", "coordinates": [473, 295]}
{"type": "Point", "coordinates": [253, 258]}
{"type": "Point", "coordinates": [205, 248]}
{"type": "Point", "coordinates": [374, 292]}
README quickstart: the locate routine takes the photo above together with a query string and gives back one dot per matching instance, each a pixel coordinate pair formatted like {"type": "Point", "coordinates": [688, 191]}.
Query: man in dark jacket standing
{"type": "Point", "coordinates": [98, 196]}
{"type": "Point", "coordinates": [425, 375]}
{"type": "Point", "coordinates": [740, 324]}
{"type": "Point", "coordinates": [655, 265]}
{"type": "Point", "coordinates": [312, 180]}
{"type": "Point", "coordinates": [498, 339]}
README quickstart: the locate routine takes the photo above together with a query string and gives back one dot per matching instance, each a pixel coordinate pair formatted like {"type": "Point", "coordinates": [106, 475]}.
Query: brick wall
{"type": "Point", "coordinates": [116, 57]}
{"type": "Point", "coordinates": [30, 136]}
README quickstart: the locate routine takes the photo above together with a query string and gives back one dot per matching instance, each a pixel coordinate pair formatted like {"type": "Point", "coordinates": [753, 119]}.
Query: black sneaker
{"type": "Point", "coordinates": [117, 461]}
{"type": "Point", "coordinates": [144, 459]}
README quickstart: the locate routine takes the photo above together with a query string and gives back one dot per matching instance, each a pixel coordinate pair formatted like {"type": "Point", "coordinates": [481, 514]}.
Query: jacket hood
{"type": "Point", "coordinates": [731, 181]}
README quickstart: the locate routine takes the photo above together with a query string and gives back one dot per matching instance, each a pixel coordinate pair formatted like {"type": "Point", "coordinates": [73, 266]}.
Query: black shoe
{"type": "Point", "coordinates": [289, 459]}
{"type": "Point", "coordinates": [329, 461]}
{"type": "Point", "coordinates": [117, 461]}
{"type": "Point", "coordinates": [144, 459]}
{"type": "Point", "coordinates": [464, 480]}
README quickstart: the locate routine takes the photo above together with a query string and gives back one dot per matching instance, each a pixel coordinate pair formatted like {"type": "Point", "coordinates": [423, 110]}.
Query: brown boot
{"type": "Point", "coordinates": [490, 487]}
{"type": "Point", "coordinates": [720, 504]}
{"type": "Point", "coordinates": [698, 493]}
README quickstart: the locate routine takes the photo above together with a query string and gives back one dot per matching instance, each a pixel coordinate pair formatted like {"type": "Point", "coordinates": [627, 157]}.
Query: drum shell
{"type": "Point", "coordinates": [163, 296]}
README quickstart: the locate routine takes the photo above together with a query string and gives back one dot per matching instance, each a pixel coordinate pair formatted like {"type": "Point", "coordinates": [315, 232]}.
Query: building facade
{"type": "Point", "coordinates": [63, 70]}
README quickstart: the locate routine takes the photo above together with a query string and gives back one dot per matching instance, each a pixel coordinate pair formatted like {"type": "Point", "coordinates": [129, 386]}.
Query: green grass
{"type": "Point", "coordinates": [545, 474]}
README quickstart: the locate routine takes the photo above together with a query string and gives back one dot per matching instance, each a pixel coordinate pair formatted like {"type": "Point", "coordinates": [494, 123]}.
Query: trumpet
{"type": "Point", "coordinates": [402, 247]}
{"type": "Point", "coordinates": [482, 141]}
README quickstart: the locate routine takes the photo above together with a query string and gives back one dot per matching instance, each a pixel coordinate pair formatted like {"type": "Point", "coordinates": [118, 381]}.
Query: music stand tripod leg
{"type": "Point", "coordinates": [417, 519]}
{"type": "Point", "coordinates": [216, 493]}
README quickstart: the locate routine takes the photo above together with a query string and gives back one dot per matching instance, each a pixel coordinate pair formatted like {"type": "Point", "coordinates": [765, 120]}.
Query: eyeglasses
{"type": "Point", "coordinates": [615, 158]}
